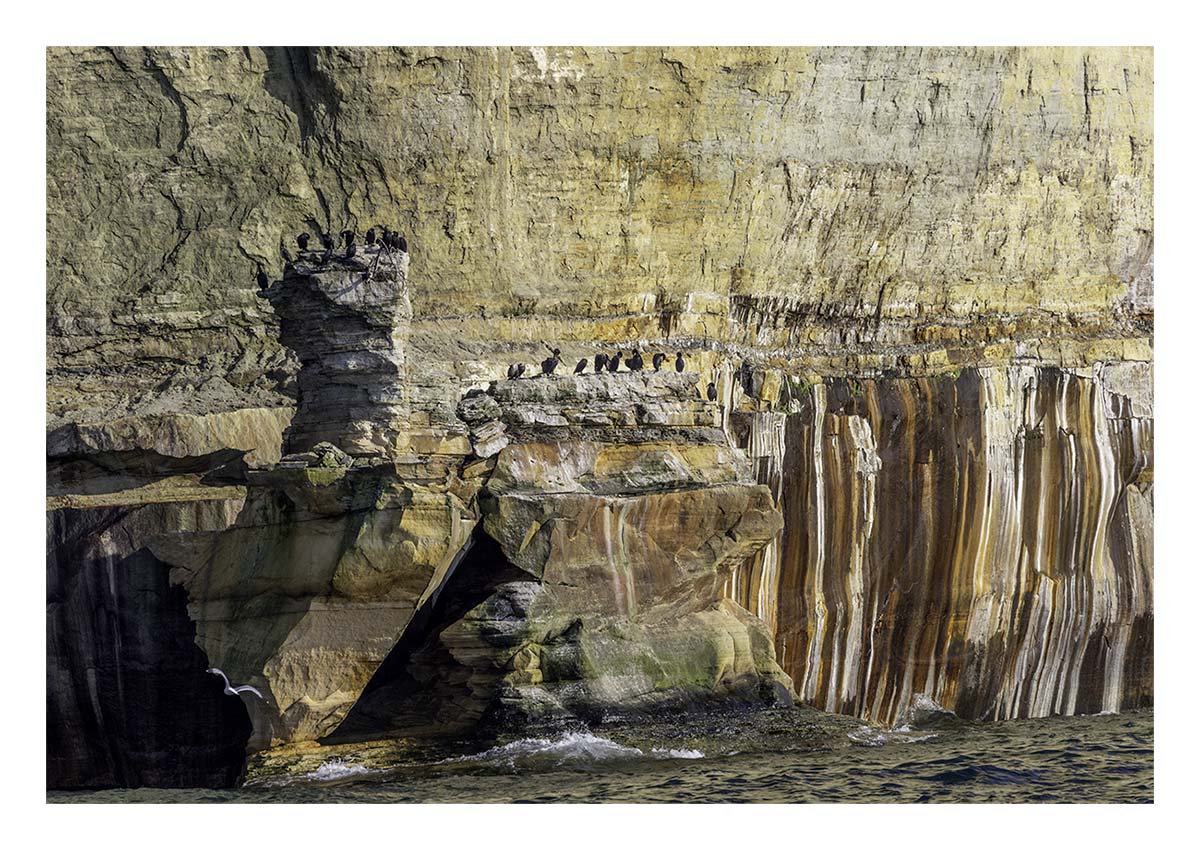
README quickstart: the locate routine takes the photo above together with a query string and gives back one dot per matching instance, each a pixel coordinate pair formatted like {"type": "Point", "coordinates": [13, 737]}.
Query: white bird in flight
{"type": "Point", "coordinates": [231, 690]}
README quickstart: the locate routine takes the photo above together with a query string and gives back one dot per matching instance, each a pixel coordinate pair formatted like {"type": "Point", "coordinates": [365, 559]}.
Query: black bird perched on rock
{"type": "Point", "coordinates": [614, 362]}
{"type": "Point", "coordinates": [263, 280]}
{"type": "Point", "coordinates": [348, 235]}
{"type": "Point", "coordinates": [401, 243]}
{"type": "Point", "coordinates": [520, 370]}
{"type": "Point", "coordinates": [371, 236]}
{"type": "Point", "coordinates": [551, 363]}
{"type": "Point", "coordinates": [678, 361]}
{"type": "Point", "coordinates": [326, 241]}
{"type": "Point", "coordinates": [658, 360]}
{"type": "Point", "coordinates": [580, 366]}
{"type": "Point", "coordinates": [302, 241]}
{"type": "Point", "coordinates": [601, 361]}
{"type": "Point", "coordinates": [712, 391]}
{"type": "Point", "coordinates": [635, 362]}
{"type": "Point", "coordinates": [351, 249]}
{"type": "Point", "coordinates": [512, 370]}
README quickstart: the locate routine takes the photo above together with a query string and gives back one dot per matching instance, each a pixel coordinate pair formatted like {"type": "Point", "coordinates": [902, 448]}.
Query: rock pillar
{"type": "Point", "coordinates": [347, 320]}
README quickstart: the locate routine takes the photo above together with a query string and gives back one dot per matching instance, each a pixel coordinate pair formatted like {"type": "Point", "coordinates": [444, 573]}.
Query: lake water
{"type": "Point", "coordinates": [782, 756]}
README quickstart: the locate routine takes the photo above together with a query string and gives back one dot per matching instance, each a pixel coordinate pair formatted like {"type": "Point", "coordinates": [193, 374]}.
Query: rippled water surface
{"type": "Point", "coordinates": [791, 756]}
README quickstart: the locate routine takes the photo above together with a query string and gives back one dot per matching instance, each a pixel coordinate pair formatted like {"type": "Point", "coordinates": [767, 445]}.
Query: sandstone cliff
{"type": "Point", "coordinates": [841, 207]}
{"type": "Point", "coordinates": [920, 279]}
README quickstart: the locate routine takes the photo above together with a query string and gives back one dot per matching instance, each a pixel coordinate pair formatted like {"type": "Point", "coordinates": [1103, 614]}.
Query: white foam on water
{"type": "Point", "coordinates": [336, 769]}
{"type": "Point", "coordinates": [870, 736]}
{"type": "Point", "coordinates": [329, 771]}
{"type": "Point", "coordinates": [570, 748]}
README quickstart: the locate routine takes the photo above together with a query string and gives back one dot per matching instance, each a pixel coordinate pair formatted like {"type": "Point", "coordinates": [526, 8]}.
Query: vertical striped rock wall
{"type": "Point", "coordinates": [982, 538]}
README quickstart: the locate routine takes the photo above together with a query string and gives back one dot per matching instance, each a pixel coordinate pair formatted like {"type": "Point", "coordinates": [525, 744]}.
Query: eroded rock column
{"type": "Point", "coordinates": [348, 321]}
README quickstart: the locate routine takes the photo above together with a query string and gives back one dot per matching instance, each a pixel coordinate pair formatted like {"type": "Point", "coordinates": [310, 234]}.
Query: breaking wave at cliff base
{"type": "Point", "coordinates": [578, 748]}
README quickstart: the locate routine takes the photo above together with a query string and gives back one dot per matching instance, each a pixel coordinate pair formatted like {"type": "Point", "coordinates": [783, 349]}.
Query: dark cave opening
{"type": "Point", "coordinates": [129, 703]}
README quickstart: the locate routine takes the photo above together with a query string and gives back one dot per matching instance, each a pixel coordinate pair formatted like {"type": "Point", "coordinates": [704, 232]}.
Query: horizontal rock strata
{"type": "Point", "coordinates": [597, 590]}
{"type": "Point", "coordinates": [917, 207]}
{"type": "Point", "coordinates": [347, 321]}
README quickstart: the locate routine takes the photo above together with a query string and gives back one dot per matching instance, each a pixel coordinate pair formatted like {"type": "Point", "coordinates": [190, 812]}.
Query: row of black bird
{"type": "Point", "coordinates": [385, 238]}
{"type": "Point", "coordinates": [601, 362]}
{"type": "Point", "coordinates": [633, 361]}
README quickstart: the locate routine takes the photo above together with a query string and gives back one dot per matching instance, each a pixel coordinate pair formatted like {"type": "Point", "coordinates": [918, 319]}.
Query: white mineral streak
{"type": "Point", "coordinates": [808, 685]}
{"type": "Point", "coordinates": [765, 448]}
{"type": "Point", "coordinates": [866, 465]}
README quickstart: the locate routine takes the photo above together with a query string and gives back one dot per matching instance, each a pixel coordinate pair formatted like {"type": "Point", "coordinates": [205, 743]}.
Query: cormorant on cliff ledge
{"type": "Point", "coordinates": [601, 362]}
{"type": "Point", "coordinates": [302, 241]}
{"type": "Point", "coordinates": [550, 363]}
{"type": "Point", "coordinates": [262, 279]}
{"type": "Point", "coordinates": [658, 360]}
{"type": "Point", "coordinates": [635, 362]}
{"type": "Point", "coordinates": [712, 391]}
{"type": "Point", "coordinates": [678, 361]}
{"type": "Point", "coordinates": [614, 362]}
{"type": "Point", "coordinates": [580, 366]}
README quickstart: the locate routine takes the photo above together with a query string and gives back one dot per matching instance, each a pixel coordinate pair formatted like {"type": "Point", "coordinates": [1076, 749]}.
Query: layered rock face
{"type": "Point", "coordinates": [613, 514]}
{"type": "Point", "coordinates": [347, 320]}
{"type": "Point", "coordinates": [306, 592]}
{"type": "Point", "coordinates": [849, 207]}
{"type": "Point", "coordinates": [920, 280]}
{"type": "Point", "coordinates": [573, 572]}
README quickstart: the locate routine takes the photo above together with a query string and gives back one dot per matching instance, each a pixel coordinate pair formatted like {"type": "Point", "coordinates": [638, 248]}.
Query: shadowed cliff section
{"type": "Point", "coordinates": [129, 703]}
{"type": "Point", "coordinates": [420, 688]}
{"type": "Point", "coordinates": [310, 95]}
